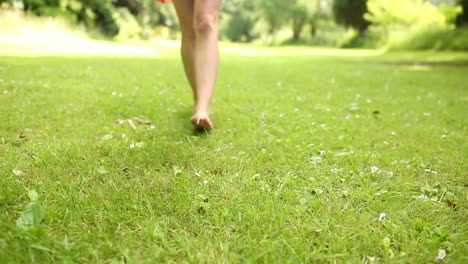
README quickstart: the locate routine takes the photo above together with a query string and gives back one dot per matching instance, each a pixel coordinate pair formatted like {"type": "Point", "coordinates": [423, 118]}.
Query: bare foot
{"type": "Point", "coordinates": [201, 121]}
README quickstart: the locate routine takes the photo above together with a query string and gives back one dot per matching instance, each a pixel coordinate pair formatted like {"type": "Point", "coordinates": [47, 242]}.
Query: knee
{"type": "Point", "coordinates": [205, 24]}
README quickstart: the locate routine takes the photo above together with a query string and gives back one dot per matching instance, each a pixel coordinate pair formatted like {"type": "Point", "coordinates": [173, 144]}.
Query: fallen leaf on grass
{"type": "Point", "coordinates": [131, 122]}
{"type": "Point", "coordinates": [201, 210]}
{"type": "Point", "coordinates": [450, 203]}
{"type": "Point", "coordinates": [143, 121]}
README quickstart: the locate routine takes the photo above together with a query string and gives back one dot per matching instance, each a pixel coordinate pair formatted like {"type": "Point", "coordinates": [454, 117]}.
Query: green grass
{"type": "Point", "coordinates": [308, 152]}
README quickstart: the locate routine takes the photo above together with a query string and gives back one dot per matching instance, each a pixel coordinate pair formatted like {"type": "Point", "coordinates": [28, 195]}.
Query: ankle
{"type": "Point", "coordinates": [202, 109]}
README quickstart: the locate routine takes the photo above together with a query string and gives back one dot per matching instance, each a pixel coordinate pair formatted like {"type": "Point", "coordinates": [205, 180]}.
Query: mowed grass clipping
{"type": "Point", "coordinates": [315, 158]}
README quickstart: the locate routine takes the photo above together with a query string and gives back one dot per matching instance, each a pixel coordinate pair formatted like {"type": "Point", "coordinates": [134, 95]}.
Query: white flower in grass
{"type": "Point", "coordinates": [441, 254]}
{"type": "Point", "coordinates": [427, 114]}
{"type": "Point", "coordinates": [390, 173]}
{"type": "Point", "coordinates": [114, 93]}
{"type": "Point", "coordinates": [197, 174]}
{"type": "Point", "coordinates": [382, 217]}
{"type": "Point", "coordinates": [316, 159]}
{"type": "Point", "coordinates": [393, 133]}
{"type": "Point", "coordinates": [374, 169]}
{"type": "Point", "coordinates": [151, 127]}
{"type": "Point", "coordinates": [132, 145]}
{"type": "Point", "coordinates": [205, 182]}
{"type": "Point", "coordinates": [444, 136]}
{"type": "Point", "coordinates": [322, 152]}
{"type": "Point", "coordinates": [369, 100]}
{"type": "Point", "coordinates": [17, 172]}
{"type": "Point", "coordinates": [372, 259]}
{"type": "Point", "coordinates": [335, 170]}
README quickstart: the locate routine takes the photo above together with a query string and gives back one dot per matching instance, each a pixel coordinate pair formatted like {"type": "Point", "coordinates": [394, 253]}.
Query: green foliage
{"type": "Point", "coordinates": [240, 20]}
{"type": "Point", "coordinates": [415, 24]}
{"type": "Point", "coordinates": [443, 39]}
{"type": "Point", "coordinates": [350, 13]}
{"type": "Point", "coordinates": [127, 24]}
{"type": "Point", "coordinates": [408, 13]}
{"type": "Point", "coordinates": [299, 17]}
{"type": "Point", "coordinates": [371, 39]}
{"type": "Point", "coordinates": [274, 13]}
{"type": "Point", "coordinates": [33, 214]}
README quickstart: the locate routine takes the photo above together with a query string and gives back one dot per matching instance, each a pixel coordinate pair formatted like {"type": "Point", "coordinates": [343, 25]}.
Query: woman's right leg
{"type": "Point", "coordinates": [185, 12]}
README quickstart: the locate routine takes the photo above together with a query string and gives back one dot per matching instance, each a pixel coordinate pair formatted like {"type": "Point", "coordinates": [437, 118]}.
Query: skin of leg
{"type": "Point", "coordinates": [206, 14]}
{"type": "Point", "coordinates": [185, 11]}
{"type": "Point", "coordinates": [199, 26]}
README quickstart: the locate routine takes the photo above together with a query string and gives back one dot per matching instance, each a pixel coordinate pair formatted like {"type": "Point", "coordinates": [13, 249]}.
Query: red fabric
{"type": "Point", "coordinates": [164, 1]}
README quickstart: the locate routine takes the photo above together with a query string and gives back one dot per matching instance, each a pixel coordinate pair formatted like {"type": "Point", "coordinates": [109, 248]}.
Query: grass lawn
{"type": "Point", "coordinates": [316, 157]}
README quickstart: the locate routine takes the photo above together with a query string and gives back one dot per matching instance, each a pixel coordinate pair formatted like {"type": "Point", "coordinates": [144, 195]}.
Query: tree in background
{"type": "Point", "coordinates": [240, 20]}
{"type": "Point", "coordinates": [274, 13]}
{"type": "Point", "coordinates": [123, 19]}
{"type": "Point", "coordinates": [299, 16]}
{"type": "Point", "coordinates": [462, 19]}
{"type": "Point", "coordinates": [350, 13]}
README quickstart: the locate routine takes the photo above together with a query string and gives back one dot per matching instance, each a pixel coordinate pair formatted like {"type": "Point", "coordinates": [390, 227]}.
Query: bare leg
{"type": "Point", "coordinates": [199, 26]}
{"type": "Point", "coordinates": [206, 58]}
{"type": "Point", "coordinates": [185, 10]}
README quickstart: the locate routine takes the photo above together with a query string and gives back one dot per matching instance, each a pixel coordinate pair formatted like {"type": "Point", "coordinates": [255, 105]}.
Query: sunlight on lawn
{"type": "Point", "coordinates": [55, 44]}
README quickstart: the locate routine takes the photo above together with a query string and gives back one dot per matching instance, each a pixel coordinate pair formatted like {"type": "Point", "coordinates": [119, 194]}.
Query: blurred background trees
{"type": "Point", "coordinates": [437, 24]}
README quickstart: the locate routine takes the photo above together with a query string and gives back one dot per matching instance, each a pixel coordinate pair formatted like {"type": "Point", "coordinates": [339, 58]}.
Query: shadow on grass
{"type": "Point", "coordinates": [184, 116]}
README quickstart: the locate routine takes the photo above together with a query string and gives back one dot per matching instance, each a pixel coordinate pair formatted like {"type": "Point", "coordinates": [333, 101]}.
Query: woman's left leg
{"type": "Point", "coordinates": [206, 58]}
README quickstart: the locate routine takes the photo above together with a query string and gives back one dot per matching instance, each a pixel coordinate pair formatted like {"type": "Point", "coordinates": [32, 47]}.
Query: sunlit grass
{"type": "Point", "coordinates": [316, 157]}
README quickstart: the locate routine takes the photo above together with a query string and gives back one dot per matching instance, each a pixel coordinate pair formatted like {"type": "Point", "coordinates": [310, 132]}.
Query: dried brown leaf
{"type": "Point", "coordinates": [132, 124]}
{"type": "Point", "coordinates": [129, 121]}
{"type": "Point", "coordinates": [143, 121]}
{"type": "Point", "coordinates": [450, 203]}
